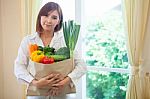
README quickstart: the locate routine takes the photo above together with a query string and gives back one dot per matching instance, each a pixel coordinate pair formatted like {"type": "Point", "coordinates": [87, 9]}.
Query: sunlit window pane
{"type": "Point", "coordinates": [104, 46]}
{"type": "Point", "coordinates": [106, 85]}
{"type": "Point", "coordinates": [68, 8]}
{"type": "Point", "coordinates": [104, 34]}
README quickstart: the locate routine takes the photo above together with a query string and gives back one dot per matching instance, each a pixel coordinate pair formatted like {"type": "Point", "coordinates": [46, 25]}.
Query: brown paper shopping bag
{"type": "Point", "coordinates": [39, 70]}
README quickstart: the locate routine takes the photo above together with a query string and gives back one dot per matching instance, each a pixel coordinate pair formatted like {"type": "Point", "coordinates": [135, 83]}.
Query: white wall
{"type": "Point", "coordinates": [1, 57]}
{"type": "Point", "coordinates": [10, 36]}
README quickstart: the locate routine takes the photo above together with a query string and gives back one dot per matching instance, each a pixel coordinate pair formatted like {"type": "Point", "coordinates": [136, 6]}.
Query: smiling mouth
{"type": "Point", "coordinates": [48, 24]}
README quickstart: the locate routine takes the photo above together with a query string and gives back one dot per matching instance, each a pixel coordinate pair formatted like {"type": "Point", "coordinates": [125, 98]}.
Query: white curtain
{"type": "Point", "coordinates": [136, 18]}
{"type": "Point", "coordinates": [29, 12]}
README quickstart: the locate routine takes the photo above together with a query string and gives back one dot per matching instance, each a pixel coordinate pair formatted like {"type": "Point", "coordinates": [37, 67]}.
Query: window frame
{"type": "Point", "coordinates": [81, 88]}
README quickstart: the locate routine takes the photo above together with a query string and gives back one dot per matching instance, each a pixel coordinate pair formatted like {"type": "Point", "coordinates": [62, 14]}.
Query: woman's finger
{"type": "Point", "coordinates": [53, 81]}
{"type": "Point", "coordinates": [56, 81]}
{"type": "Point", "coordinates": [50, 81]}
{"type": "Point", "coordinates": [49, 76]}
{"type": "Point", "coordinates": [55, 85]}
{"type": "Point", "coordinates": [54, 88]}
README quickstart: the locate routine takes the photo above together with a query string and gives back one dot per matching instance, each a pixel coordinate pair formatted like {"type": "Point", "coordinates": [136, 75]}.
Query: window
{"type": "Point", "coordinates": [103, 49]}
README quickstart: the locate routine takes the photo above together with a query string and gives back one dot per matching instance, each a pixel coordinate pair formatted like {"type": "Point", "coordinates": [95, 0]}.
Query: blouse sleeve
{"type": "Point", "coordinates": [80, 68]}
{"type": "Point", "coordinates": [21, 63]}
{"type": "Point", "coordinates": [80, 65]}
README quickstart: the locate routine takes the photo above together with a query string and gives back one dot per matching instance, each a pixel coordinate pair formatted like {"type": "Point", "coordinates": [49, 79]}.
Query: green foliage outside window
{"type": "Point", "coordinates": [105, 47]}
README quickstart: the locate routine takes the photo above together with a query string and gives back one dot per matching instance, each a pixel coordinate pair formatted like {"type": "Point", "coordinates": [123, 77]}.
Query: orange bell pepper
{"type": "Point", "coordinates": [32, 48]}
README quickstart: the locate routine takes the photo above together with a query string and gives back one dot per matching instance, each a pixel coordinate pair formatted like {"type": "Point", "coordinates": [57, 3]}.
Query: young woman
{"type": "Point", "coordinates": [49, 24]}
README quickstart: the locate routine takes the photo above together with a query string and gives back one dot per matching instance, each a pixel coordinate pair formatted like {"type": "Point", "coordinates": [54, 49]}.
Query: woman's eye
{"type": "Point", "coordinates": [54, 17]}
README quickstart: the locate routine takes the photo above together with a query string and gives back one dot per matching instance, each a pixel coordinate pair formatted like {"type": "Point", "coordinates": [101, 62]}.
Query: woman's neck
{"type": "Point", "coordinates": [46, 37]}
{"type": "Point", "coordinates": [47, 34]}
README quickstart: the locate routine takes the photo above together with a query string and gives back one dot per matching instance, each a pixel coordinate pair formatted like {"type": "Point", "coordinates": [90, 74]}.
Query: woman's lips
{"type": "Point", "coordinates": [48, 24]}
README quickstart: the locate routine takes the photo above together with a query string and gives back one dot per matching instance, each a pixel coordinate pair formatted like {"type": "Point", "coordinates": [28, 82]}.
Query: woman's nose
{"type": "Point", "coordinates": [49, 20]}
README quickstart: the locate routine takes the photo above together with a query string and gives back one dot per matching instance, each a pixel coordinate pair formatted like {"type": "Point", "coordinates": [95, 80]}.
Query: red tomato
{"type": "Point", "coordinates": [47, 60]}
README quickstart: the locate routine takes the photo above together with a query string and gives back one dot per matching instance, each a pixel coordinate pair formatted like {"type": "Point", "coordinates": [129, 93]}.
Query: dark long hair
{"type": "Point", "coordinates": [50, 6]}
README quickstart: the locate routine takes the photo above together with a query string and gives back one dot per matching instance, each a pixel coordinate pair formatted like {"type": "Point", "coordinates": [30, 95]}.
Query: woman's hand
{"type": "Point", "coordinates": [49, 80]}
{"type": "Point", "coordinates": [58, 88]}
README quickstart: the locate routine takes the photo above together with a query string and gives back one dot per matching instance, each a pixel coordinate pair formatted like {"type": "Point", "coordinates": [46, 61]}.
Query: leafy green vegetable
{"type": "Point", "coordinates": [48, 49]}
{"type": "Point", "coordinates": [48, 54]}
{"type": "Point", "coordinates": [40, 48]}
{"type": "Point", "coordinates": [71, 33]}
{"type": "Point", "coordinates": [63, 51]}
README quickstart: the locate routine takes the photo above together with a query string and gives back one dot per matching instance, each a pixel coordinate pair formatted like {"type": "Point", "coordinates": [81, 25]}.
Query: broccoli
{"type": "Point", "coordinates": [63, 51]}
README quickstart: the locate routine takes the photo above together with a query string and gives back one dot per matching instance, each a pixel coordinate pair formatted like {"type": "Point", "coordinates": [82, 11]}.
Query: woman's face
{"type": "Point", "coordinates": [50, 21]}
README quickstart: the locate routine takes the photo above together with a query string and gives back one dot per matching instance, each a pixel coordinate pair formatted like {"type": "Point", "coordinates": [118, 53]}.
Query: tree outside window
{"type": "Point", "coordinates": [105, 47]}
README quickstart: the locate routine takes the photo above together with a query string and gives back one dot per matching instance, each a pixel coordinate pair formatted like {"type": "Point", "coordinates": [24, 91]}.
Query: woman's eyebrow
{"type": "Point", "coordinates": [52, 14]}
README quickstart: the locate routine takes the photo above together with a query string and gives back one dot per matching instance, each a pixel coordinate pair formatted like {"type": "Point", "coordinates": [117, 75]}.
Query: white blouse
{"type": "Point", "coordinates": [22, 60]}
